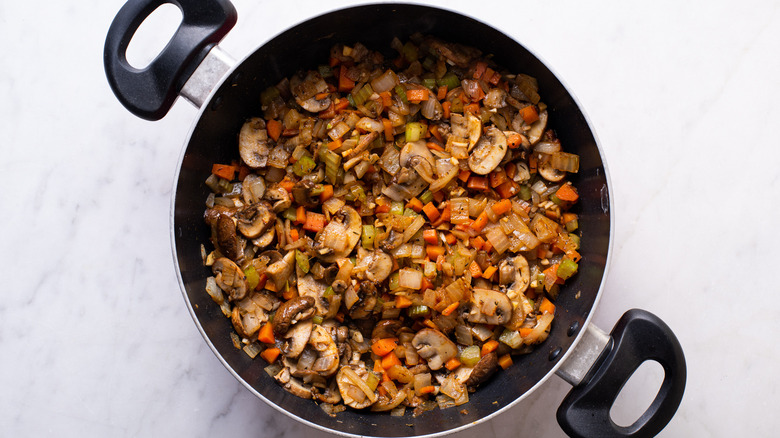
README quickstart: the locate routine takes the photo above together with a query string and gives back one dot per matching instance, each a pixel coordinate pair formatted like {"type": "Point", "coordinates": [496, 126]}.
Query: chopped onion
{"type": "Point", "coordinates": [421, 381]}
{"type": "Point", "coordinates": [498, 239]}
{"type": "Point", "coordinates": [385, 82]}
{"type": "Point", "coordinates": [390, 160]}
{"type": "Point", "coordinates": [565, 161]}
{"type": "Point", "coordinates": [547, 147]}
{"type": "Point", "coordinates": [413, 228]}
{"type": "Point", "coordinates": [463, 335]}
{"type": "Point", "coordinates": [410, 278]}
{"type": "Point", "coordinates": [539, 187]}
{"type": "Point", "coordinates": [481, 332]}
{"type": "Point", "coordinates": [459, 210]}
{"type": "Point", "coordinates": [369, 125]}
{"type": "Point", "coordinates": [252, 350]}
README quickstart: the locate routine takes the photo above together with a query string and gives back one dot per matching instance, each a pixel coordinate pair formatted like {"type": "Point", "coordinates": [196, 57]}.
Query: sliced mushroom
{"type": "Point", "coordinates": [488, 307]}
{"type": "Point", "coordinates": [279, 197]}
{"type": "Point", "coordinates": [302, 193]}
{"type": "Point", "coordinates": [293, 385]}
{"type": "Point", "coordinates": [416, 173]}
{"type": "Point", "coordinates": [327, 362]}
{"type": "Point", "coordinates": [353, 388]}
{"type": "Point", "coordinates": [537, 128]}
{"type": "Point", "coordinates": [386, 328]}
{"type": "Point", "coordinates": [253, 188]}
{"type": "Point", "coordinates": [266, 239]}
{"type": "Point", "coordinates": [327, 307]}
{"type": "Point", "coordinates": [251, 312]}
{"type": "Point", "coordinates": [474, 129]}
{"type": "Point", "coordinates": [458, 54]}
{"type": "Point", "coordinates": [291, 311]}
{"type": "Point", "coordinates": [297, 338]}
{"type": "Point", "coordinates": [550, 173]}
{"type": "Point", "coordinates": [339, 236]}
{"type": "Point", "coordinates": [488, 152]}
{"type": "Point", "coordinates": [386, 403]}
{"type": "Point", "coordinates": [377, 264]}
{"type": "Point", "coordinates": [434, 346]}
{"type": "Point", "coordinates": [230, 278]}
{"type": "Point", "coordinates": [495, 98]}
{"type": "Point", "coordinates": [280, 271]}
{"type": "Point", "coordinates": [515, 272]}
{"type": "Point", "coordinates": [330, 394]}
{"type": "Point", "coordinates": [212, 214]}
{"type": "Point", "coordinates": [253, 220]}
{"type": "Point", "coordinates": [306, 88]}
{"type": "Point", "coordinates": [485, 368]}
{"type": "Point", "coordinates": [227, 240]}
{"type": "Point", "coordinates": [253, 143]}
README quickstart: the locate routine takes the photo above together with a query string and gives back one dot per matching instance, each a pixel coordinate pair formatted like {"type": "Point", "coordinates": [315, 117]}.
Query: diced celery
{"type": "Point", "coordinates": [525, 192]}
{"type": "Point", "coordinates": [450, 80]}
{"type": "Point", "coordinates": [303, 261]}
{"type": "Point", "coordinates": [409, 212]}
{"type": "Point", "coordinates": [290, 214]}
{"type": "Point", "coordinates": [369, 232]}
{"type": "Point", "coordinates": [401, 92]}
{"type": "Point", "coordinates": [328, 292]}
{"type": "Point", "coordinates": [414, 131]}
{"type": "Point", "coordinates": [470, 356]}
{"type": "Point", "coordinates": [418, 311]}
{"type": "Point", "coordinates": [268, 95]}
{"type": "Point", "coordinates": [566, 268]}
{"type": "Point", "coordinates": [332, 165]}
{"type": "Point", "coordinates": [426, 197]}
{"type": "Point", "coordinates": [429, 83]}
{"type": "Point", "coordinates": [252, 277]}
{"type": "Point", "coordinates": [325, 71]}
{"type": "Point", "coordinates": [410, 51]}
{"type": "Point", "coordinates": [317, 319]}
{"type": "Point", "coordinates": [304, 166]}
{"type": "Point", "coordinates": [576, 239]}
{"type": "Point", "coordinates": [511, 338]}
{"type": "Point", "coordinates": [372, 380]}
{"type": "Point", "coordinates": [397, 207]}
{"type": "Point", "coordinates": [363, 94]}
{"type": "Point", "coordinates": [393, 281]}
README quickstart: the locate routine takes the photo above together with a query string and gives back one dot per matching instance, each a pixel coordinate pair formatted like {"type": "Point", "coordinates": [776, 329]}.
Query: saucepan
{"type": "Point", "coordinates": [597, 364]}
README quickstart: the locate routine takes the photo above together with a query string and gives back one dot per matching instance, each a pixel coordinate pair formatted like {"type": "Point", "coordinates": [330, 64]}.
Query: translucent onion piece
{"type": "Point", "coordinates": [385, 82]}
{"type": "Point", "coordinates": [547, 147]}
{"type": "Point", "coordinates": [565, 161]}
{"type": "Point", "coordinates": [410, 278]}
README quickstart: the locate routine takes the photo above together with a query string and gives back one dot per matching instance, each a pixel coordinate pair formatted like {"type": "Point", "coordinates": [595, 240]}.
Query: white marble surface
{"type": "Point", "coordinates": [95, 339]}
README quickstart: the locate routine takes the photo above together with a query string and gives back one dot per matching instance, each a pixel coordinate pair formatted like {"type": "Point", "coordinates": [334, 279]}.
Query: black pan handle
{"type": "Point", "coordinates": [150, 92]}
{"type": "Point", "coordinates": [638, 336]}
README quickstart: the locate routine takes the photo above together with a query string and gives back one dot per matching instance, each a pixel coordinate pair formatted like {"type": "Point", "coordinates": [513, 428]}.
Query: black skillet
{"type": "Point", "coordinates": [596, 363]}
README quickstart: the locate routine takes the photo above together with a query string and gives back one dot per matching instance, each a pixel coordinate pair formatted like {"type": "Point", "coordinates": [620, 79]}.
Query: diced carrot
{"type": "Point", "coordinates": [402, 302]}
{"type": "Point", "coordinates": [431, 237]}
{"type": "Point", "coordinates": [417, 95]}
{"type": "Point", "coordinates": [497, 177]}
{"type": "Point", "coordinates": [445, 107]}
{"type": "Point", "coordinates": [441, 92]}
{"type": "Point", "coordinates": [431, 211]}
{"type": "Point", "coordinates": [335, 144]}
{"type": "Point", "coordinates": [225, 171]}
{"type": "Point", "coordinates": [243, 172]}
{"type": "Point", "coordinates": [452, 364]}
{"type": "Point", "coordinates": [378, 367]}
{"type": "Point", "coordinates": [290, 293]}
{"type": "Point", "coordinates": [345, 83]}
{"type": "Point", "coordinates": [511, 170]}
{"type": "Point", "coordinates": [450, 238]}
{"type": "Point", "coordinates": [438, 196]}
{"type": "Point", "coordinates": [514, 140]}
{"type": "Point", "coordinates": [262, 281]}
{"type": "Point", "coordinates": [508, 189]}
{"type": "Point", "coordinates": [434, 251]}
{"type": "Point", "coordinates": [480, 222]}
{"type": "Point", "coordinates": [274, 128]}
{"type": "Point", "coordinates": [300, 215]}
{"type": "Point", "coordinates": [489, 271]}
{"type": "Point", "coordinates": [550, 276]}
{"type": "Point", "coordinates": [472, 108]}
{"type": "Point", "coordinates": [491, 76]}
{"type": "Point", "coordinates": [313, 221]}
{"type": "Point", "coordinates": [270, 354]}
{"type": "Point", "coordinates": [529, 114]}
{"type": "Point", "coordinates": [415, 204]}
{"type": "Point", "coordinates": [475, 270]}
{"type": "Point", "coordinates": [287, 185]}
{"type": "Point", "coordinates": [327, 192]}
{"type": "Point", "coordinates": [266, 334]}
{"type": "Point", "coordinates": [387, 99]}
{"type": "Point", "coordinates": [294, 234]}
{"type": "Point", "coordinates": [479, 69]}
{"type": "Point", "coordinates": [430, 324]}
{"type": "Point", "coordinates": [464, 175]}
{"type": "Point", "coordinates": [477, 183]}
{"type": "Point", "coordinates": [382, 209]}
{"type": "Point", "coordinates": [502, 206]}
{"type": "Point", "coordinates": [451, 308]}
{"type": "Point", "coordinates": [384, 346]}
{"type": "Point", "coordinates": [568, 217]}
{"type": "Point", "coordinates": [425, 284]}
{"type": "Point", "coordinates": [477, 242]}
{"type": "Point", "coordinates": [427, 389]}
{"type": "Point", "coordinates": [389, 360]}
{"type": "Point", "coordinates": [567, 193]}
{"type": "Point", "coordinates": [340, 105]}
{"type": "Point", "coordinates": [445, 215]}
{"type": "Point", "coordinates": [546, 306]}
{"type": "Point", "coordinates": [505, 361]}
{"type": "Point", "coordinates": [532, 163]}
{"type": "Point", "coordinates": [434, 146]}
{"type": "Point", "coordinates": [434, 129]}
{"type": "Point", "coordinates": [489, 346]}
{"type": "Point", "coordinates": [525, 331]}
{"type": "Point", "coordinates": [329, 112]}
{"type": "Point", "coordinates": [388, 127]}
{"type": "Point", "coordinates": [487, 246]}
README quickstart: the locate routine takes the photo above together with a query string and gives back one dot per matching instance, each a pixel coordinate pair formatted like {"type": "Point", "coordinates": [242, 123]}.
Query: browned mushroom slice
{"type": "Point", "coordinates": [280, 271]}
{"type": "Point", "coordinates": [306, 88]}
{"type": "Point", "coordinates": [253, 188]}
{"type": "Point", "coordinates": [291, 311]}
{"type": "Point", "coordinates": [279, 197]}
{"type": "Point", "coordinates": [489, 307]}
{"type": "Point", "coordinates": [254, 220]}
{"type": "Point", "coordinates": [231, 245]}
{"type": "Point", "coordinates": [386, 328]}
{"type": "Point", "coordinates": [253, 143]}
{"type": "Point", "coordinates": [339, 236]}
{"type": "Point", "coordinates": [377, 265]}
{"type": "Point", "coordinates": [488, 152]}
{"type": "Point", "coordinates": [297, 338]}
{"type": "Point", "coordinates": [415, 174]}
{"type": "Point", "coordinates": [537, 128]}
{"type": "Point", "coordinates": [435, 347]}
{"type": "Point", "coordinates": [327, 307]}
{"type": "Point", "coordinates": [327, 362]}
{"type": "Point", "coordinates": [485, 368]}
{"type": "Point", "coordinates": [230, 278]}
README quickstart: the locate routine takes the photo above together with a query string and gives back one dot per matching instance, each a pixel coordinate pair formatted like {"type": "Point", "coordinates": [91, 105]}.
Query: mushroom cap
{"type": "Point", "coordinates": [489, 307]}
{"type": "Point", "coordinates": [488, 152]}
{"type": "Point", "coordinates": [253, 143]}
{"type": "Point", "coordinates": [434, 346]}
{"type": "Point", "coordinates": [230, 278]}
{"type": "Point", "coordinates": [253, 220]}
{"type": "Point", "coordinates": [340, 236]}
{"type": "Point", "coordinates": [291, 310]}
{"type": "Point", "coordinates": [298, 337]}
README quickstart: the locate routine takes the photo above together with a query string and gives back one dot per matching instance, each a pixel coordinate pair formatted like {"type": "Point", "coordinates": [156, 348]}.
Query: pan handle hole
{"type": "Point", "coordinates": [637, 394]}
{"type": "Point", "coordinates": [153, 35]}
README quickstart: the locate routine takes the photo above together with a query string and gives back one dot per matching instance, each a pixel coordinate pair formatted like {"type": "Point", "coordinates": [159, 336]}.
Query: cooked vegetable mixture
{"type": "Point", "coordinates": [396, 230]}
